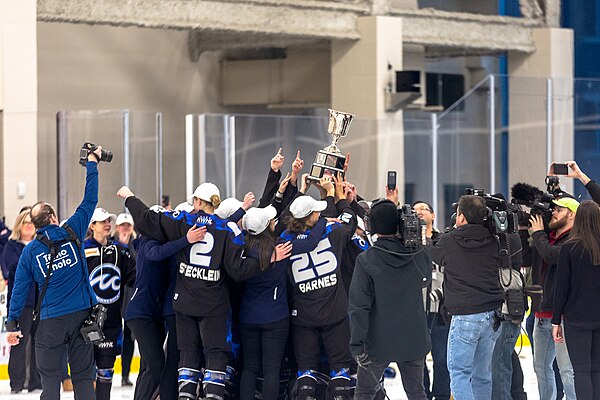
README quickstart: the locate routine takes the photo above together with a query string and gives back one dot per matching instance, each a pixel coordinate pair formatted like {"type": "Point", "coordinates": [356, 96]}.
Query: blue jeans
{"type": "Point", "coordinates": [502, 360]}
{"type": "Point", "coordinates": [440, 390]}
{"type": "Point", "coordinates": [543, 357]}
{"type": "Point", "coordinates": [470, 348]}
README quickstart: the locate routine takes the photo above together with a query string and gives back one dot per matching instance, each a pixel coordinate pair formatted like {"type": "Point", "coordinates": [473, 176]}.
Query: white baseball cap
{"type": "Point", "coordinates": [305, 205]}
{"type": "Point", "coordinates": [185, 206]}
{"type": "Point", "coordinates": [124, 218]}
{"type": "Point", "coordinates": [206, 190]}
{"type": "Point", "coordinates": [257, 219]}
{"type": "Point", "coordinates": [100, 214]}
{"type": "Point", "coordinates": [228, 207]}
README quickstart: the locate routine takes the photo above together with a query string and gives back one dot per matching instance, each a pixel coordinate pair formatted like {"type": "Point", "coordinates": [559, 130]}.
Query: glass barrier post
{"type": "Point", "coordinates": [492, 122]}
{"type": "Point", "coordinates": [548, 122]}
{"type": "Point", "coordinates": [126, 148]}
{"type": "Point", "coordinates": [434, 159]}
{"type": "Point", "coordinates": [229, 155]}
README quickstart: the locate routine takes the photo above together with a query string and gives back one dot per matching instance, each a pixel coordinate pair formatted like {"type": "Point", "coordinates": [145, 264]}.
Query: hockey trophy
{"type": "Point", "coordinates": [330, 160]}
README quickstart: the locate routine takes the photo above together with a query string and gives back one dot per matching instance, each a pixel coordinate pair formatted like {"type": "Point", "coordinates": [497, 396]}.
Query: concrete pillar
{"type": "Point", "coordinates": [533, 77]}
{"type": "Point", "coordinates": [359, 77]}
{"type": "Point", "coordinates": [18, 102]}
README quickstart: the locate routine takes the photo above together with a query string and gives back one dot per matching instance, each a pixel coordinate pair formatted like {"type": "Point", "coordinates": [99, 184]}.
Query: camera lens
{"type": "Point", "coordinates": [106, 156]}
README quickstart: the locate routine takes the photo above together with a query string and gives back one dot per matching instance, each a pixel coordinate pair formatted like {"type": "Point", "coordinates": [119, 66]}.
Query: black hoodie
{"type": "Point", "coordinates": [470, 256]}
{"type": "Point", "coordinates": [387, 316]}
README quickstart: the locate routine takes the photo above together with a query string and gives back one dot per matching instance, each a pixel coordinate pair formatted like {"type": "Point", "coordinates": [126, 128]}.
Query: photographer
{"type": "Point", "coordinates": [68, 298]}
{"type": "Point", "coordinates": [437, 322]}
{"type": "Point", "coordinates": [545, 262]}
{"type": "Point", "coordinates": [470, 257]}
{"type": "Point", "coordinates": [386, 302]}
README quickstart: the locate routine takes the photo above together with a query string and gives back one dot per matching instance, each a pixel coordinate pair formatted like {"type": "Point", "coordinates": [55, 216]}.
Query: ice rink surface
{"type": "Point", "coordinates": [393, 386]}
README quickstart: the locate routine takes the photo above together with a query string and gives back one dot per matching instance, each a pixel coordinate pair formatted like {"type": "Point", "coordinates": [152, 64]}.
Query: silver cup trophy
{"type": "Point", "coordinates": [330, 160]}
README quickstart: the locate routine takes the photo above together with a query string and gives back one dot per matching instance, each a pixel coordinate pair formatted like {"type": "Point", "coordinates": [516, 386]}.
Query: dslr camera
{"type": "Point", "coordinates": [91, 330]}
{"type": "Point", "coordinates": [89, 148]}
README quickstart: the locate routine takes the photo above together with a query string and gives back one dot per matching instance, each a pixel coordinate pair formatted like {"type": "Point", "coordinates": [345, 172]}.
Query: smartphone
{"type": "Point", "coordinates": [560, 169]}
{"type": "Point", "coordinates": [391, 180]}
{"type": "Point", "coordinates": [165, 200]}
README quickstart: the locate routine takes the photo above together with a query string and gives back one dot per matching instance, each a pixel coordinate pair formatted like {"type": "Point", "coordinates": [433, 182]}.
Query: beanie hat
{"type": "Point", "coordinates": [383, 218]}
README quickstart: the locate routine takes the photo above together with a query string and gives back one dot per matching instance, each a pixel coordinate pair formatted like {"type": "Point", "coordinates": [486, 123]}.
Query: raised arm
{"type": "Point", "coordinates": [155, 225]}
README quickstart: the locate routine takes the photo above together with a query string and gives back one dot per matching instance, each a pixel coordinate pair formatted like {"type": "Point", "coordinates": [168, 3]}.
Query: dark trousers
{"type": "Point", "coordinates": [583, 345]}
{"type": "Point", "coordinates": [411, 373]}
{"type": "Point", "coordinates": [263, 347]}
{"type": "Point", "coordinates": [439, 342]}
{"type": "Point", "coordinates": [127, 353]}
{"type": "Point", "coordinates": [210, 334]}
{"type": "Point", "coordinates": [517, 388]}
{"type": "Point", "coordinates": [335, 339]}
{"type": "Point", "coordinates": [150, 335]}
{"type": "Point", "coordinates": [52, 336]}
{"type": "Point", "coordinates": [168, 381]}
{"type": "Point", "coordinates": [19, 363]}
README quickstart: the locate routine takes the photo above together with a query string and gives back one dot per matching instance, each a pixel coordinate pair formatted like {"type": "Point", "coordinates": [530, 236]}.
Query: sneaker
{"type": "Point", "coordinates": [16, 391]}
{"type": "Point", "coordinates": [125, 382]}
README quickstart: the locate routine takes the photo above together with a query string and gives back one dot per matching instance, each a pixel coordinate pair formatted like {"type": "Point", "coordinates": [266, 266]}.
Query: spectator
{"type": "Point", "coordinates": [387, 318]}
{"type": "Point", "coordinates": [576, 300]}
{"type": "Point", "coordinates": [470, 257]}
{"type": "Point", "coordinates": [545, 262]}
{"type": "Point", "coordinates": [18, 364]}
{"type": "Point", "coordinates": [68, 298]}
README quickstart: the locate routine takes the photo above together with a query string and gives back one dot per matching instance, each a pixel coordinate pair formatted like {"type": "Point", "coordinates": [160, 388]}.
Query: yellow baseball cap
{"type": "Point", "coordinates": [567, 202]}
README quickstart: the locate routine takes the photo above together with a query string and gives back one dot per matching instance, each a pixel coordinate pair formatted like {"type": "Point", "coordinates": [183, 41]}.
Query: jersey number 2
{"type": "Point", "coordinates": [200, 252]}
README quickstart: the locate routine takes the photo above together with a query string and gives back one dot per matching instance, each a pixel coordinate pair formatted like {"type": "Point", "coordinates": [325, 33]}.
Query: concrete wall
{"type": "Point", "coordinates": [98, 67]}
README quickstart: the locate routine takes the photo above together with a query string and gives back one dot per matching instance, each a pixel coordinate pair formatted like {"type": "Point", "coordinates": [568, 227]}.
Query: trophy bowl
{"type": "Point", "coordinates": [330, 160]}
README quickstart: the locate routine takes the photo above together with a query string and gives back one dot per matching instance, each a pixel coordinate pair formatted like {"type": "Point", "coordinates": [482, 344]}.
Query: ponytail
{"type": "Point", "coordinates": [215, 200]}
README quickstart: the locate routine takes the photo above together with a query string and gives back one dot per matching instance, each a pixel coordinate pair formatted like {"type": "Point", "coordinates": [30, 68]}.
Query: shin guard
{"type": "Point", "coordinates": [188, 383]}
{"type": "Point", "coordinates": [214, 384]}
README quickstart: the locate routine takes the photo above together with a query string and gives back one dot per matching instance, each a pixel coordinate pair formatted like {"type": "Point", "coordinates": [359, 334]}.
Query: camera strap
{"type": "Point", "coordinates": [53, 246]}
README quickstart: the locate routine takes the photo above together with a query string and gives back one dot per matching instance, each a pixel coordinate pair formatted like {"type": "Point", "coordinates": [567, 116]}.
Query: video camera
{"type": "Point", "coordinates": [410, 227]}
{"type": "Point", "coordinates": [89, 148]}
{"type": "Point", "coordinates": [501, 217]}
{"type": "Point", "coordinates": [538, 202]}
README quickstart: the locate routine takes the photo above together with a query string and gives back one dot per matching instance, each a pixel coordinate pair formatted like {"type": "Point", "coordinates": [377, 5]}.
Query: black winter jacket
{"type": "Point", "coordinates": [387, 317]}
{"type": "Point", "coordinates": [545, 265]}
{"type": "Point", "coordinates": [470, 257]}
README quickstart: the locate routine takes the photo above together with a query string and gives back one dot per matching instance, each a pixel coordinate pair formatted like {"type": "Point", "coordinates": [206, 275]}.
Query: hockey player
{"type": "Point", "coordinates": [201, 299]}
{"type": "Point", "coordinates": [319, 299]}
{"type": "Point", "coordinates": [110, 268]}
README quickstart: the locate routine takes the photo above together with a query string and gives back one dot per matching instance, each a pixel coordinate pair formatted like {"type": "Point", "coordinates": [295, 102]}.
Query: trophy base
{"type": "Point", "coordinates": [327, 163]}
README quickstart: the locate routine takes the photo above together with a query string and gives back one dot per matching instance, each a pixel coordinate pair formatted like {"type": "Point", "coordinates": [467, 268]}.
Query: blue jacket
{"type": "Point", "coordinates": [264, 297]}
{"type": "Point", "coordinates": [69, 289]}
{"type": "Point", "coordinates": [12, 252]}
{"type": "Point", "coordinates": [153, 277]}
